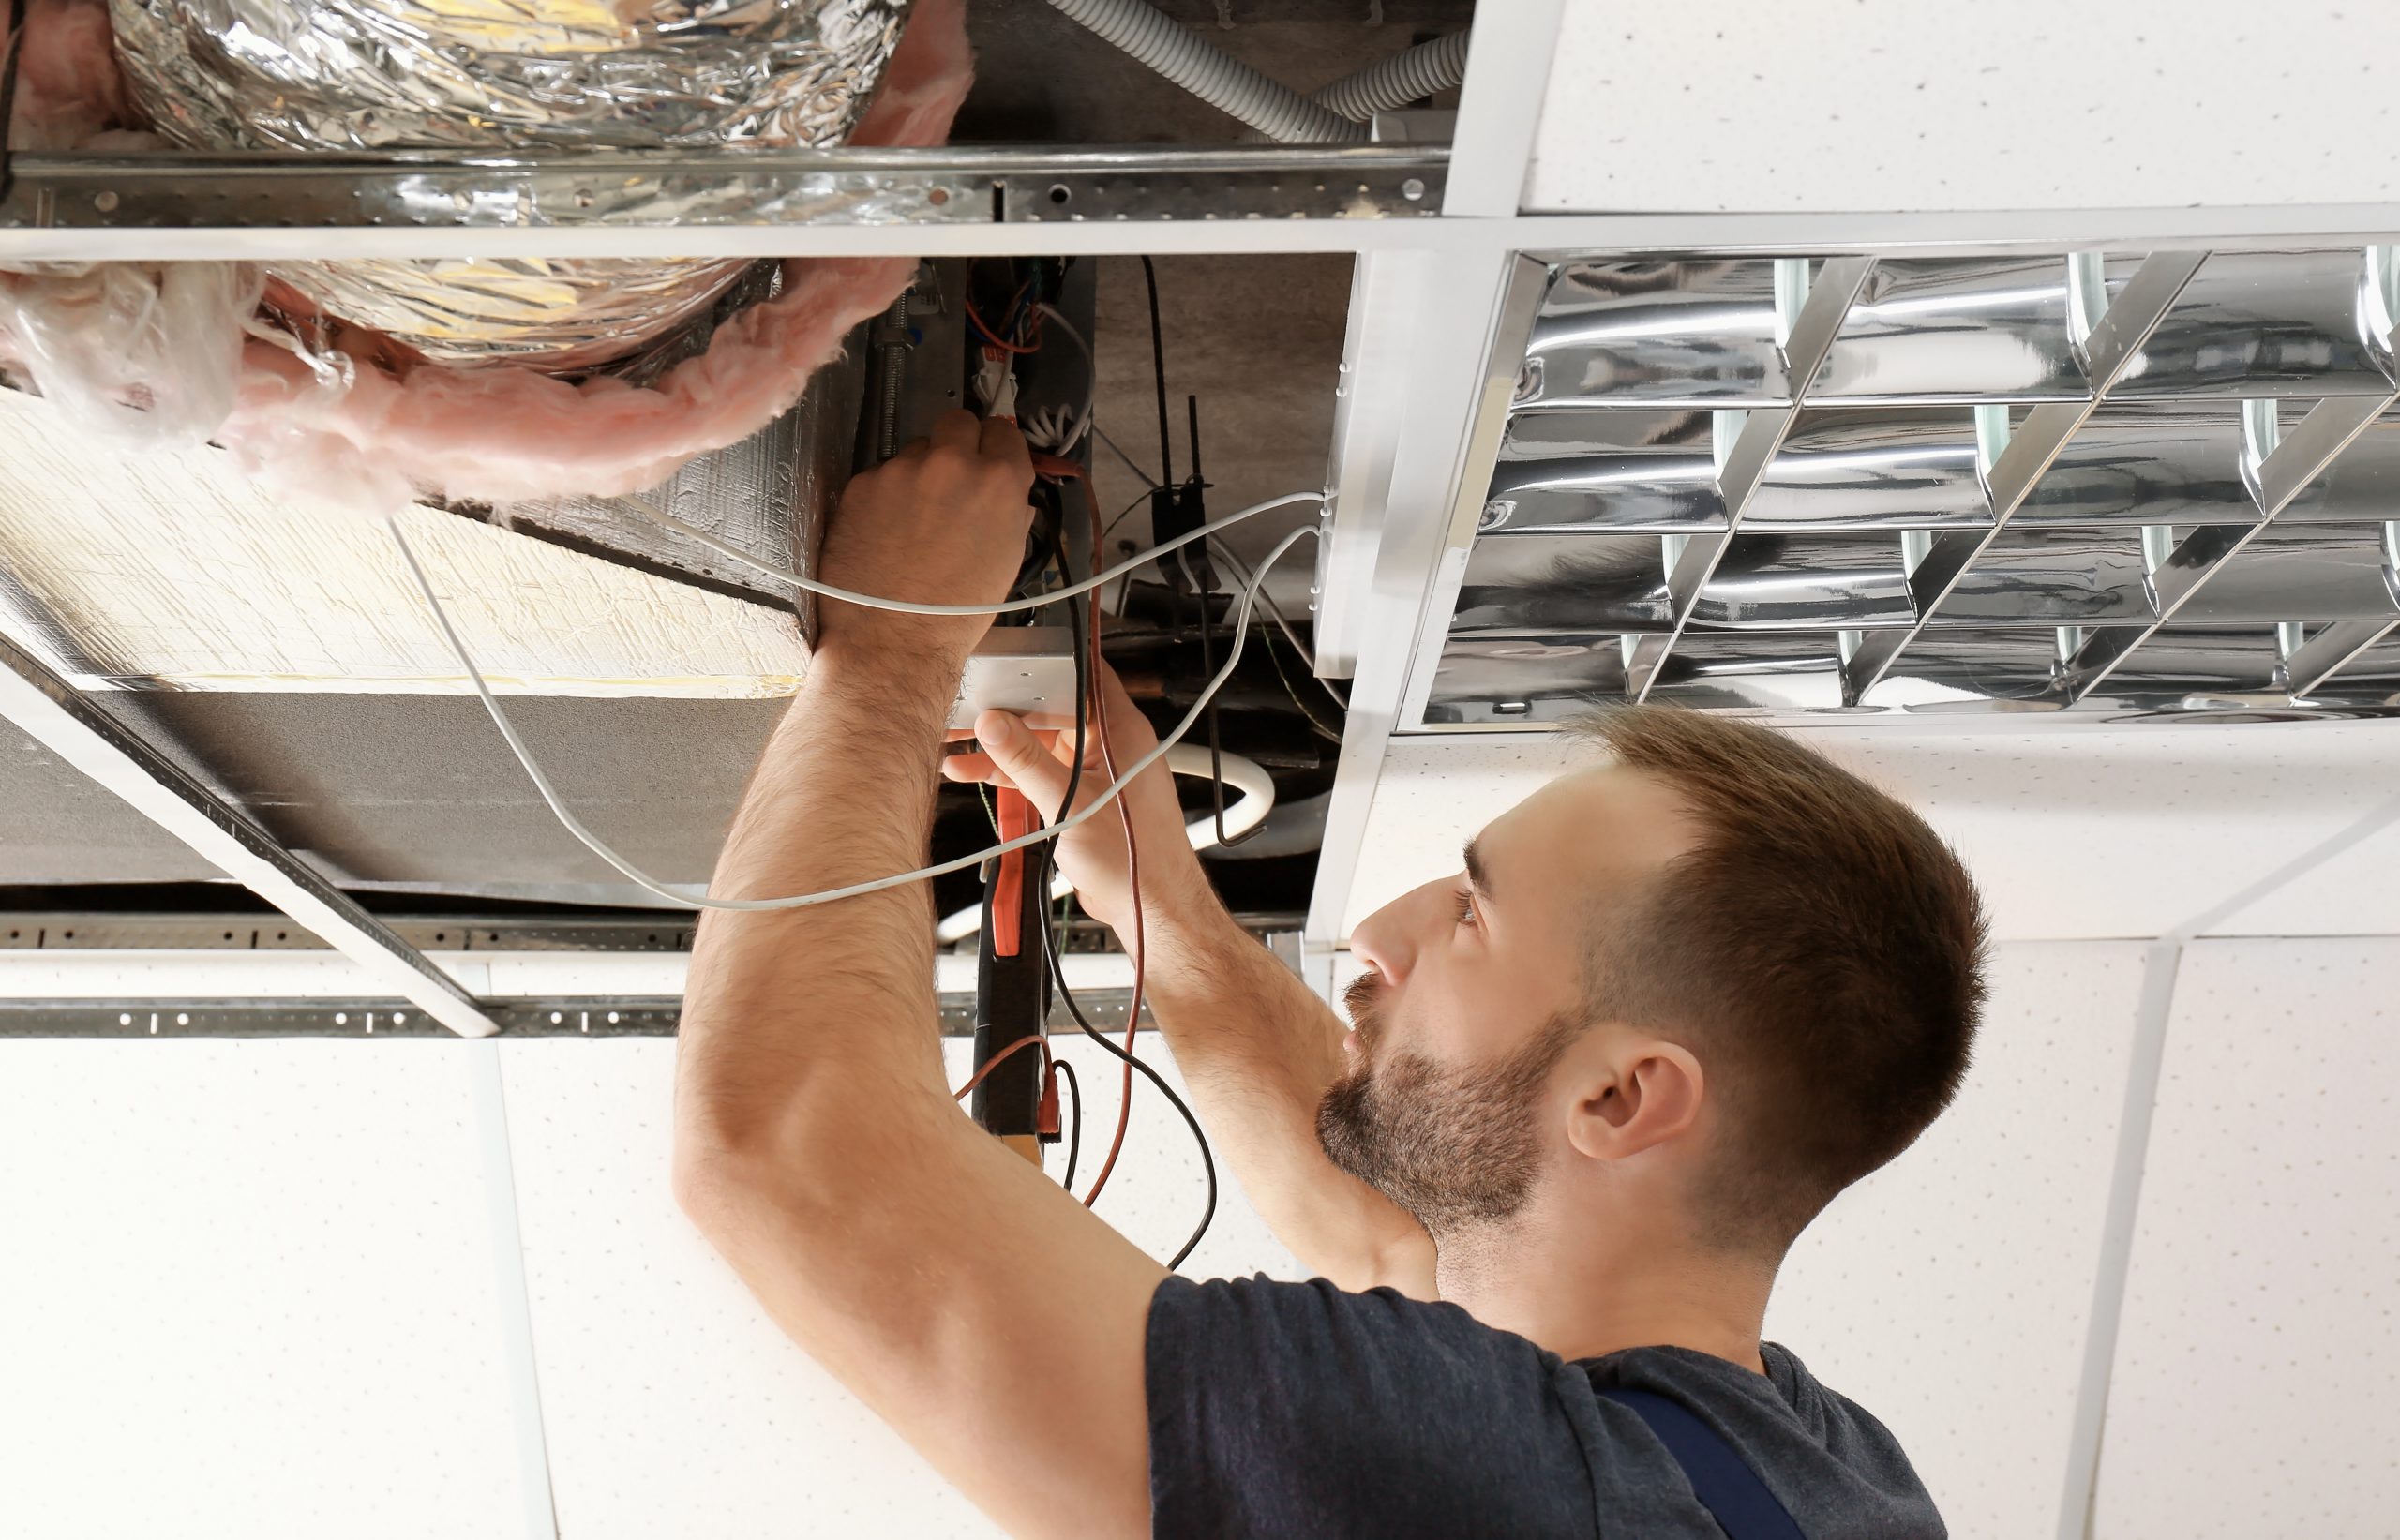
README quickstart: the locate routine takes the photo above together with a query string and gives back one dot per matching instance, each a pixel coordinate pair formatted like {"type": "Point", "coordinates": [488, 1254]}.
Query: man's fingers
{"type": "Point", "coordinates": [1024, 758]}
{"type": "Point", "coordinates": [958, 429]}
{"type": "Point", "coordinates": [1001, 442]}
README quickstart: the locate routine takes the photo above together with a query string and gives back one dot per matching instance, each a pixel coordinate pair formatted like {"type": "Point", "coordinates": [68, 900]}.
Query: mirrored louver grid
{"type": "Point", "coordinates": [2071, 480]}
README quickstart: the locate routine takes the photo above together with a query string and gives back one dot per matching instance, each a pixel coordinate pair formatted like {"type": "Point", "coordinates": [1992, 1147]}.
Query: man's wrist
{"type": "Point", "coordinates": [898, 672]}
{"type": "Point", "coordinates": [1185, 926]}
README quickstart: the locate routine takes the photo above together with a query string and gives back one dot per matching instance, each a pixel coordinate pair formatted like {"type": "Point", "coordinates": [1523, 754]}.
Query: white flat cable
{"type": "Point", "coordinates": [724, 547]}
{"type": "Point", "coordinates": [651, 884]}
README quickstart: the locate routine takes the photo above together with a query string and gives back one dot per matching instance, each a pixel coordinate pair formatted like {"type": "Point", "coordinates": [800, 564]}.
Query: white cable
{"type": "Point", "coordinates": [649, 884]}
{"type": "Point", "coordinates": [1091, 372]}
{"type": "Point", "coordinates": [1041, 601]}
{"type": "Point", "coordinates": [1244, 775]}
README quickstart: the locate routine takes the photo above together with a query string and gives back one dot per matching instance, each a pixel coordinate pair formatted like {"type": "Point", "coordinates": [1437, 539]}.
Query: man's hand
{"type": "Point", "coordinates": [1092, 854]}
{"type": "Point", "coordinates": [943, 522]}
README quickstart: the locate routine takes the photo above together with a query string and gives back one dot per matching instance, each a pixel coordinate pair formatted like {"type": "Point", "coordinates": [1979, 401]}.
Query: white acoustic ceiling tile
{"type": "Point", "coordinates": [2355, 893]}
{"type": "Point", "coordinates": [1959, 104]}
{"type": "Point", "coordinates": [2252, 1393]}
{"type": "Point", "coordinates": [2091, 833]}
{"type": "Point", "coordinates": [673, 1405]}
{"type": "Point", "coordinates": [248, 1291]}
{"type": "Point", "coordinates": [1948, 1292]}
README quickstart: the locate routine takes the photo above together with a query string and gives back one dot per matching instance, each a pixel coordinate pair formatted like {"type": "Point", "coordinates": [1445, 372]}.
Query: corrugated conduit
{"type": "Point", "coordinates": [1224, 83]}
{"type": "Point", "coordinates": [1399, 80]}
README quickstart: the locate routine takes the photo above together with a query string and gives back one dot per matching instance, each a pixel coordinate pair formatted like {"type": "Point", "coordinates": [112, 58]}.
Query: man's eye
{"type": "Point", "coordinates": [1466, 907]}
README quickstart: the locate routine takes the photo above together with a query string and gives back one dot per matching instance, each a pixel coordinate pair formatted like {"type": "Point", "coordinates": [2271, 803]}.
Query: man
{"type": "Point", "coordinates": [1598, 1082]}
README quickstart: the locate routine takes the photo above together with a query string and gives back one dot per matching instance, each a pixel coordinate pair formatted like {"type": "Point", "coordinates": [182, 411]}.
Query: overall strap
{"type": "Point", "coordinates": [1726, 1486]}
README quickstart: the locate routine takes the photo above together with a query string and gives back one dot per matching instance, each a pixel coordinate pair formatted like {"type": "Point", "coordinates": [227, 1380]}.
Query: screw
{"type": "Point", "coordinates": [104, 202]}
{"type": "Point", "coordinates": [1411, 189]}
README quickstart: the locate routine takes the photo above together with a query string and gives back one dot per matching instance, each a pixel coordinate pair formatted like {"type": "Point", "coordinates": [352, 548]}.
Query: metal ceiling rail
{"type": "Point", "coordinates": [168, 1017]}
{"type": "Point", "coordinates": [50, 710]}
{"type": "Point", "coordinates": [1692, 560]}
{"type": "Point", "coordinates": [683, 189]}
{"type": "Point", "coordinates": [2276, 468]}
{"type": "Point", "coordinates": [2018, 458]}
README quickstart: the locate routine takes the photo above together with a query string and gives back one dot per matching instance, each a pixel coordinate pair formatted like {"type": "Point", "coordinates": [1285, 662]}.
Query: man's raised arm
{"type": "Point", "coordinates": [982, 1311]}
{"type": "Point", "coordinates": [1257, 1047]}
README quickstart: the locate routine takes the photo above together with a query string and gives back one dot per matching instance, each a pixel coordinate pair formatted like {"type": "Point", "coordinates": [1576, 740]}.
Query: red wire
{"type": "Point", "coordinates": [993, 1062]}
{"type": "Point", "coordinates": [1133, 876]}
{"type": "Point", "coordinates": [1065, 470]}
{"type": "Point", "coordinates": [991, 337]}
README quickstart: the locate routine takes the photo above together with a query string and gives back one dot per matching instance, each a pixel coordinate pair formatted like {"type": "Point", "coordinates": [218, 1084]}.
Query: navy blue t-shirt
{"type": "Point", "coordinates": [1296, 1408]}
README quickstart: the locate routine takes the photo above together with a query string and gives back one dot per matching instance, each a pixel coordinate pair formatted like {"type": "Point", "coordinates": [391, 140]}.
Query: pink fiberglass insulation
{"type": "Point", "coordinates": [69, 91]}
{"type": "Point", "coordinates": [359, 429]}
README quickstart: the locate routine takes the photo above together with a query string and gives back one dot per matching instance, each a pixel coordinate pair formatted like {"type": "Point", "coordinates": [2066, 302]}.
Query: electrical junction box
{"type": "Point", "coordinates": [1028, 669]}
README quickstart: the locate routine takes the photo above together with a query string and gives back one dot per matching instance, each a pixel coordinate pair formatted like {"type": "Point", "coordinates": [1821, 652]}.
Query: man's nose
{"type": "Point", "coordinates": [1379, 942]}
{"type": "Point", "coordinates": [1386, 939]}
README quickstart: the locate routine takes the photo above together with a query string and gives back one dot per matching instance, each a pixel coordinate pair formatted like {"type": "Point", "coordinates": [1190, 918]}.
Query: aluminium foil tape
{"type": "Point", "coordinates": [346, 75]}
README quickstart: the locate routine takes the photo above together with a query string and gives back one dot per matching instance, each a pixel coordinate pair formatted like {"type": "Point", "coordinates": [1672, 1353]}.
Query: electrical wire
{"type": "Point", "coordinates": [1134, 887]}
{"type": "Point", "coordinates": [1030, 1039]}
{"type": "Point", "coordinates": [1075, 1126]}
{"type": "Point", "coordinates": [1275, 611]}
{"type": "Point", "coordinates": [1091, 373]}
{"type": "Point", "coordinates": [1225, 841]}
{"type": "Point", "coordinates": [1012, 606]}
{"type": "Point", "coordinates": [649, 884]}
{"type": "Point", "coordinates": [1132, 1062]}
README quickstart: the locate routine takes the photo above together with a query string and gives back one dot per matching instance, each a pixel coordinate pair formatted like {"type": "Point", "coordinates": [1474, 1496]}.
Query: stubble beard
{"type": "Point", "coordinates": [1458, 1149]}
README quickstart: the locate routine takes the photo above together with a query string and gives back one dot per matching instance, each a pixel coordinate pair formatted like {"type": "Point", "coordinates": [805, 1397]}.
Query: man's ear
{"type": "Point", "coordinates": [1633, 1093]}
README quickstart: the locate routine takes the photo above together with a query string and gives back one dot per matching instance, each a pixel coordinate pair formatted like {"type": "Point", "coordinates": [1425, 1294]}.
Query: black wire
{"type": "Point", "coordinates": [1076, 1128]}
{"type": "Point", "coordinates": [1085, 681]}
{"type": "Point", "coordinates": [1208, 1162]}
{"type": "Point", "coordinates": [1080, 640]}
{"type": "Point", "coordinates": [1157, 370]}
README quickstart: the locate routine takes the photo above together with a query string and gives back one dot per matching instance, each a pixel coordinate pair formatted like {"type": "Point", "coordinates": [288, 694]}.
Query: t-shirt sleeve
{"type": "Point", "coordinates": [1299, 1409]}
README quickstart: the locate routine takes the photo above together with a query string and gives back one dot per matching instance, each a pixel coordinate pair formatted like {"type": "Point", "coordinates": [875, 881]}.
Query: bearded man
{"type": "Point", "coordinates": [1595, 1082]}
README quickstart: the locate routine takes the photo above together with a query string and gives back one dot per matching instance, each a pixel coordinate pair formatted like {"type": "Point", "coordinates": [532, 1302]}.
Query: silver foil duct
{"type": "Point", "coordinates": [337, 75]}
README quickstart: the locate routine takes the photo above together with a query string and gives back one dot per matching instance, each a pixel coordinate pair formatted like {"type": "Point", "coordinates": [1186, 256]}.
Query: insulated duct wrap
{"type": "Point", "coordinates": [171, 571]}
{"type": "Point", "coordinates": [349, 75]}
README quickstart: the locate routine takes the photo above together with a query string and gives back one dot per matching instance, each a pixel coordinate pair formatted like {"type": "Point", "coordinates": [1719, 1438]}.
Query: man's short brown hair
{"type": "Point", "coordinates": [1820, 949]}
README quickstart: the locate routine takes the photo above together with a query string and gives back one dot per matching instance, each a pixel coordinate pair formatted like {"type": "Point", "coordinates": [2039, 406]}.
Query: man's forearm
{"type": "Point", "coordinates": [1258, 1048]}
{"type": "Point", "coordinates": [779, 999]}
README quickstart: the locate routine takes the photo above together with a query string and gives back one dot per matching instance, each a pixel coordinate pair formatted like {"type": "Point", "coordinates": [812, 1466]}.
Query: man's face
{"type": "Point", "coordinates": [1475, 986]}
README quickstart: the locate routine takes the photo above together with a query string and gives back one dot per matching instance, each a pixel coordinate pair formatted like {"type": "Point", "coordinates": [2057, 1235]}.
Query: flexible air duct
{"type": "Point", "coordinates": [350, 75]}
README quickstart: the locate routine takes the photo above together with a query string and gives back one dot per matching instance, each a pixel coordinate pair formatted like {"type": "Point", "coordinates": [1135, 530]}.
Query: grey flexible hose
{"type": "Point", "coordinates": [1224, 83]}
{"type": "Point", "coordinates": [1399, 80]}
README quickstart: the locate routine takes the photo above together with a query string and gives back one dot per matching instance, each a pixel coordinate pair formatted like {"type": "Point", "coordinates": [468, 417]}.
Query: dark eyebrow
{"type": "Point", "coordinates": [1475, 872]}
